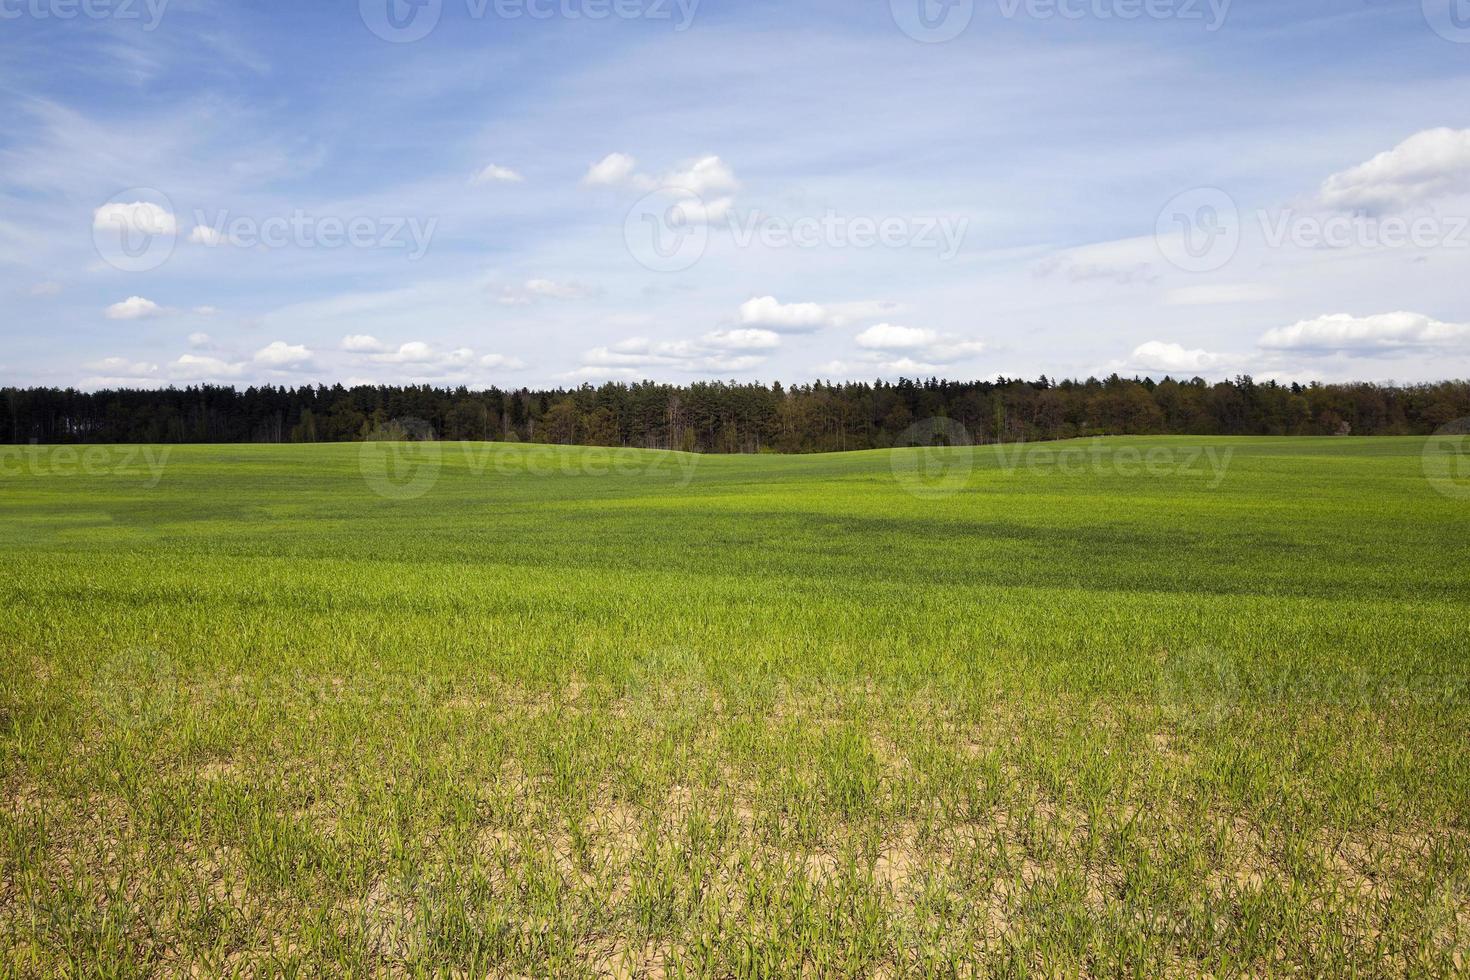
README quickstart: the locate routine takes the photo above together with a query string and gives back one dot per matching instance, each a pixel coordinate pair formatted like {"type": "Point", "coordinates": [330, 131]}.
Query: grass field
{"type": "Point", "coordinates": [1145, 706]}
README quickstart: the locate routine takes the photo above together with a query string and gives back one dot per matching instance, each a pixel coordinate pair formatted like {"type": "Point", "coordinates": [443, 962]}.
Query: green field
{"type": "Point", "coordinates": [1145, 705]}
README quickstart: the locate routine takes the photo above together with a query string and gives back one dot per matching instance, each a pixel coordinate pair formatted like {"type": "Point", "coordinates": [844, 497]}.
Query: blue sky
{"type": "Point", "coordinates": [304, 192]}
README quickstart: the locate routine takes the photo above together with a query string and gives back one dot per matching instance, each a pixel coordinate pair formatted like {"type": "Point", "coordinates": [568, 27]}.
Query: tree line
{"type": "Point", "coordinates": [730, 417]}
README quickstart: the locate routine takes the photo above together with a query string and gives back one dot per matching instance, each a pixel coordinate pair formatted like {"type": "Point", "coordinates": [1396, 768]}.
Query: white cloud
{"type": "Point", "coordinates": [921, 349]}
{"type": "Point", "coordinates": [888, 336]}
{"type": "Point", "coordinates": [767, 311]}
{"type": "Point", "coordinates": [704, 176]}
{"type": "Point", "coordinates": [697, 211]}
{"type": "Point", "coordinates": [199, 341]}
{"type": "Point", "coordinates": [713, 353]}
{"type": "Point", "coordinates": [1376, 334]}
{"type": "Point", "coordinates": [121, 367]}
{"type": "Point", "coordinates": [1157, 355]}
{"type": "Point", "coordinates": [535, 289]}
{"type": "Point", "coordinates": [502, 363]}
{"type": "Point", "coordinates": [744, 339]}
{"type": "Point", "coordinates": [194, 367]}
{"type": "Point", "coordinates": [141, 217]}
{"type": "Point", "coordinates": [361, 343]}
{"type": "Point", "coordinates": [133, 308]}
{"type": "Point", "coordinates": [427, 361]}
{"type": "Point", "coordinates": [46, 289]}
{"type": "Point", "coordinates": [610, 171]}
{"type": "Point", "coordinates": [205, 235]}
{"type": "Point", "coordinates": [280, 354]}
{"type": "Point", "coordinates": [1427, 165]}
{"type": "Point", "coordinates": [496, 174]}
{"type": "Point", "coordinates": [708, 179]}
{"type": "Point", "coordinates": [206, 310]}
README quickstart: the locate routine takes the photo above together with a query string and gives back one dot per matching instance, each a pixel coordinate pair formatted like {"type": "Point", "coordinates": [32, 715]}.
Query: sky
{"type": "Point", "coordinates": [557, 192]}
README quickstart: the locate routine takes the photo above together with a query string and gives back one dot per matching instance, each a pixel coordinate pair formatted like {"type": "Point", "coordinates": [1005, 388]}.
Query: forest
{"type": "Point", "coordinates": [731, 417]}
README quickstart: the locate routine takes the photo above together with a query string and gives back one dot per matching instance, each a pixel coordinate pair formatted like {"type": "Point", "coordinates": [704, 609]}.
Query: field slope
{"type": "Point", "coordinates": [1160, 705]}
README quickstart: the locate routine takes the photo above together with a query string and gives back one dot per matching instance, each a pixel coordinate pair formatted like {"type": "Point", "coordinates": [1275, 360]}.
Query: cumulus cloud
{"type": "Point", "coordinates": [1428, 165]}
{"type": "Point", "coordinates": [206, 310]}
{"type": "Point", "coordinates": [282, 355]}
{"type": "Point", "coordinates": [744, 339]}
{"type": "Point", "coordinates": [196, 367]}
{"type": "Point", "coordinates": [1365, 335]}
{"type": "Point", "coordinates": [133, 308]}
{"type": "Point", "coordinates": [537, 289]}
{"type": "Point", "coordinates": [914, 349]}
{"type": "Point", "coordinates": [501, 362]}
{"type": "Point", "coordinates": [496, 174]}
{"type": "Point", "coordinates": [139, 217]}
{"type": "Point", "coordinates": [121, 367]}
{"type": "Point", "coordinates": [704, 176]}
{"type": "Point", "coordinates": [361, 343]}
{"type": "Point", "coordinates": [699, 188]}
{"type": "Point", "coordinates": [205, 235]}
{"type": "Point", "coordinates": [1157, 355]}
{"type": "Point", "coordinates": [718, 352]}
{"type": "Point", "coordinates": [771, 313]}
{"type": "Point", "coordinates": [888, 336]}
{"type": "Point", "coordinates": [611, 171]}
{"type": "Point", "coordinates": [200, 341]}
